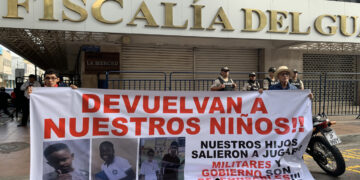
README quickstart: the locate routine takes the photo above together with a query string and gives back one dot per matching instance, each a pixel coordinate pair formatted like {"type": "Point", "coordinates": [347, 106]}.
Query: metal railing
{"type": "Point", "coordinates": [334, 93]}
{"type": "Point", "coordinates": [341, 93]}
{"type": "Point", "coordinates": [202, 81]}
{"type": "Point", "coordinates": [133, 80]}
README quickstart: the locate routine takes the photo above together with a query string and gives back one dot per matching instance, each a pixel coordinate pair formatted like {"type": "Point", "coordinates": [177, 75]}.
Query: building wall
{"type": "Point", "coordinates": [5, 69]}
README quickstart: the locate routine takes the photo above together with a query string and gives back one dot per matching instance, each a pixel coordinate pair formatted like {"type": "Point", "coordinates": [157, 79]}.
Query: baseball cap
{"type": "Point", "coordinates": [225, 69]}
{"type": "Point", "coordinates": [252, 74]}
{"type": "Point", "coordinates": [272, 69]}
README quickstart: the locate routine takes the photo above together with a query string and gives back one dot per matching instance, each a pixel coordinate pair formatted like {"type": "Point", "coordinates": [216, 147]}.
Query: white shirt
{"type": "Point", "coordinates": [117, 169]}
{"type": "Point", "coordinates": [148, 169]}
{"type": "Point", "coordinates": [26, 85]}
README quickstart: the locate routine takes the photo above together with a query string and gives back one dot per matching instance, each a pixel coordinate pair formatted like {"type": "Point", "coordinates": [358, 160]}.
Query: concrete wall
{"type": "Point", "coordinates": [281, 57]}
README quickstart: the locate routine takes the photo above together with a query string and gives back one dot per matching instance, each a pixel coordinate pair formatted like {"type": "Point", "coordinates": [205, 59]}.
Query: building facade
{"type": "Point", "coordinates": [188, 36]}
{"type": "Point", "coordinates": [5, 69]}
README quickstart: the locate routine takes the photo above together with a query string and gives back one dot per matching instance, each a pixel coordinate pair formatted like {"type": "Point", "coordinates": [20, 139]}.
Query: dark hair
{"type": "Point", "coordinates": [51, 71]}
{"type": "Point", "coordinates": [174, 143]}
{"type": "Point", "coordinates": [150, 151]}
{"type": "Point", "coordinates": [2, 89]}
{"type": "Point", "coordinates": [107, 143]}
{"type": "Point", "coordinates": [53, 148]}
{"type": "Point", "coordinates": [32, 76]}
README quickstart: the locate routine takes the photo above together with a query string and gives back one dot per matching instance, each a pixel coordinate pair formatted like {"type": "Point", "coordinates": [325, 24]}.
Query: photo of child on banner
{"type": "Point", "coordinates": [65, 160]}
{"type": "Point", "coordinates": [162, 158]}
{"type": "Point", "coordinates": [111, 161]}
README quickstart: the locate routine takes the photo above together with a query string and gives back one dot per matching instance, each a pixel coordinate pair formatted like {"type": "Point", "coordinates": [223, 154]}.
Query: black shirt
{"type": "Point", "coordinates": [4, 99]}
{"type": "Point", "coordinates": [171, 167]}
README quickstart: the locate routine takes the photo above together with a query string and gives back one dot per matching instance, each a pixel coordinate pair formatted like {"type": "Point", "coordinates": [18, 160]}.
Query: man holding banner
{"type": "Point", "coordinates": [283, 73]}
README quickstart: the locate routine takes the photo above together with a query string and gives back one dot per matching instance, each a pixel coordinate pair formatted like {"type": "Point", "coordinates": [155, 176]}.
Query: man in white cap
{"type": "Point", "coordinates": [283, 74]}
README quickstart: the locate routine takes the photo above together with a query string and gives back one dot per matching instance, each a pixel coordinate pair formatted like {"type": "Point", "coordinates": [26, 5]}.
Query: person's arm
{"type": "Point", "coordinates": [29, 90]}
{"type": "Point", "coordinates": [266, 84]}
{"type": "Point", "coordinates": [217, 86]}
{"type": "Point", "coordinates": [311, 96]}
{"type": "Point", "coordinates": [246, 87]}
{"type": "Point", "coordinates": [164, 163]}
{"type": "Point", "coordinates": [24, 86]}
{"type": "Point", "coordinates": [301, 85]}
{"type": "Point", "coordinates": [234, 85]}
{"type": "Point", "coordinates": [73, 86]}
{"type": "Point", "coordinates": [36, 84]}
{"type": "Point", "coordinates": [130, 175]}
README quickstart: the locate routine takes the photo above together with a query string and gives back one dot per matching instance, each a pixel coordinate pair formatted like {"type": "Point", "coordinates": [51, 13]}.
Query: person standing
{"type": "Point", "coordinates": [26, 104]}
{"type": "Point", "coordinates": [170, 163]}
{"type": "Point", "coordinates": [4, 97]}
{"type": "Point", "coordinates": [150, 168]}
{"type": "Point", "coordinates": [296, 81]}
{"type": "Point", "coordinates": [283, 74]}
{"type": "Point", "coordinates": [51, 79]}
{"type": "Point", "coordinates": [252, 84]}
{"type": "Point", "coordinates": [223, 82]}
{"type": "Point", "coordinates": [270, 80]}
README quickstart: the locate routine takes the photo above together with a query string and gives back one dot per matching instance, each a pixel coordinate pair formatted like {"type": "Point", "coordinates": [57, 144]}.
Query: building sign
{"type": "Point", "coordinates": [19, 72]}
{"type": "Point", "coordinates": [101, 62]}
{"type": "Point", "coordinates": [305, 20]}
{"type": "Point", "coordinates": [111, 134]}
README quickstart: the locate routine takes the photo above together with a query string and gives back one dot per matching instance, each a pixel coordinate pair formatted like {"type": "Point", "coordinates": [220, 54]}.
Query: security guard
{"type": "Point", "coordinates": [223, 82]}
{"type": "Point", "coordinates": [252, 84]}
{"type": "Point", "coordinates": [270, 80]}
{"type": "Point", "coordinates": [296, 81]}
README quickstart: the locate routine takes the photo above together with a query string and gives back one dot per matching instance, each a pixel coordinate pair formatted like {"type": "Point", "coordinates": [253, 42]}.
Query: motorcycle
{"type": "Point", "coordinates": [322, 147]}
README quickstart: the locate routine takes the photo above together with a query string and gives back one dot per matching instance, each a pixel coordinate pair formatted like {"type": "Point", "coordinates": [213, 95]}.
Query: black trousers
{"type": "Point", "coordinates": [5, 109]}
{"type": "Point", "coordinates": [25, 111]}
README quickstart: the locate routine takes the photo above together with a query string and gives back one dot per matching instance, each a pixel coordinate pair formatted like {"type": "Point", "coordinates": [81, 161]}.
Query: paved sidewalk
{"type": "Point", "coordinates": [15, 145]}
{"type": "Point", "coordinates": [14, 152]}
{"type": "Point", "coordinates": [346, 125]}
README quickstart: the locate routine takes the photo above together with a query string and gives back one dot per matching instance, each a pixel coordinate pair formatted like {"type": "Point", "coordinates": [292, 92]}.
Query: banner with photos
{"type": "Point", "coordinates": [155, 135]}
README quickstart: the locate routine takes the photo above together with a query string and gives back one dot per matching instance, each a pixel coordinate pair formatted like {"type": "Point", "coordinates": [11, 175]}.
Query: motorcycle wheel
{"type": "Point", "coordinates": [328, 157]}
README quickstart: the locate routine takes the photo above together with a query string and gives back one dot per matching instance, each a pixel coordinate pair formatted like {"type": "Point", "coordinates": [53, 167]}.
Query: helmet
{"type": "Point", "coordinates": [272, 69]}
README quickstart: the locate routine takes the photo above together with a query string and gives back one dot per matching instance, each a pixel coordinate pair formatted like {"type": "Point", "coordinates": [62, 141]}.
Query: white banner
{"type": "Point", "coordinates": [115, 134]}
